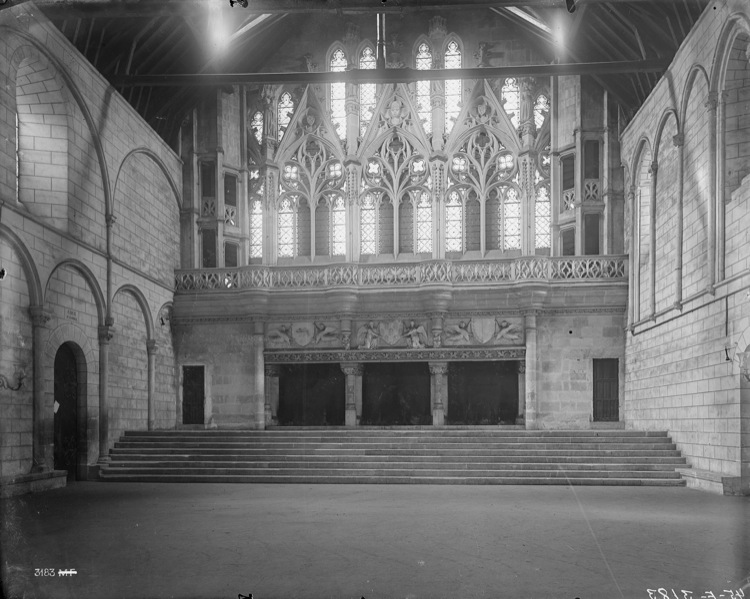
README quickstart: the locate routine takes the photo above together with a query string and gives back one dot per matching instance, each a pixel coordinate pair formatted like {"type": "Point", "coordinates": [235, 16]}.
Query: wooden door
{"type": "Point", "coordinates": [606, 386]}
{"type": "Point", "coordinates": [66, 411]}
{"type": "Point", "coordinates": [193, 394]}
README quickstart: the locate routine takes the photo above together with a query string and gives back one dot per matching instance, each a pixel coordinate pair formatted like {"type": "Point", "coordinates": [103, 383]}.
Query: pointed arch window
{"type": "Point", "coordinates": [542, 216]}
{"type": "Point", "coordinates": [366, 91]}
{"type": "Point", "coordinates": [511, 222]}
{"type": "Point", "coordinates": [256, 213]}
{"type": "Point", "coordinates": [338, 63]}
{"type": "Point", "coordinates": [423, 62]}
{"type": "Point", "coordinates": [285, 108]}
{"type": "Point", "coordinates": [453, 86]}
{"type": "Point", "coordinates": [256, 124]}
{"type": "Point", "coordinates": [511, 100]}
{"type": "Point", "coordinates": [338, 227]}
{"type": "Point", "coordinates": [286, 228]}
{"type": "Point", "coordinates": [454, 216]}
{"type": "Point", "coordinates": [424, 224]}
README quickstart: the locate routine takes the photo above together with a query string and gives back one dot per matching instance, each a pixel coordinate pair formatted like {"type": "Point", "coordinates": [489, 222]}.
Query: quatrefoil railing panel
{"type": "Point", "coordinates": [406, 275]}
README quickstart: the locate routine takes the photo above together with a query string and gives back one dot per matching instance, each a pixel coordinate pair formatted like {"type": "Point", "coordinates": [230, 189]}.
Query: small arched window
{"type": "Point", "coordinates": [257, 126]}
{"type": "Point", "coordinates": [511, 100]}
{"type": "Point", "coordinates": [286, 229]}
{"type": "Point", "coordinates": [256, 225]}
{"type": "Point", "coordinates": [424, 224]}
{"type": "Point", "coordinates": [366, 91]}
{"type": "Point", "coordinates": [423, 62]}
{"type": "Point", "coordinates": [338, 227]}
{"type": "Point", "coordinates": [511, 220]}
{"type": "Point", "coordinates": [338, 63]}
{"type": "Point", "coordinates": [285, 109]}
{"type": "Point", "coordinates": [543, 217]}
{"type": "Point", "coordinates": [453, 86]}
{"type": "Point", "coordinates": [454, 216]}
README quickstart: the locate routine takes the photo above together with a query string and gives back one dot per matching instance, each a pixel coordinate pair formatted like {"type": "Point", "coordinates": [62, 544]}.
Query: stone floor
{"type": "Point", "coordinates": [132, 540]}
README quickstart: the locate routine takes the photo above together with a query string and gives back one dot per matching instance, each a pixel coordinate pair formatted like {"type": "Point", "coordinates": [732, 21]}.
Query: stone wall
{"type": "Point", "coordinates": [567, 345]}
{"type": "Point", "coordinates": [89, 170]}
{"type": "Point", "coordinates": [681, 371]}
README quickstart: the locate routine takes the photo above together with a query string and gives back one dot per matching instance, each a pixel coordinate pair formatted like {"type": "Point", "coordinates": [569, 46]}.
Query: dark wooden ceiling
{"type": "Point", "coordinates": [129, 38]}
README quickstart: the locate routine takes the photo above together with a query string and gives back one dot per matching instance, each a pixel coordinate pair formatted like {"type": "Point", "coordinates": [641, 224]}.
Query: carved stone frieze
{"type": "Point", "coordinates": [483, 330]}
{"type": "Point", "coordinates": [412, 333]}
{"type": "Point", "coordinates": [395, 355]}
{"type": "Point", "coordinates": [318, 333]}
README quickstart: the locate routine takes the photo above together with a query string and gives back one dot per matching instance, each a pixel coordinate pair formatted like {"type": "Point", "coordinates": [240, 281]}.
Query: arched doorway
{"type": "Point", "coordinates": [66, 437]}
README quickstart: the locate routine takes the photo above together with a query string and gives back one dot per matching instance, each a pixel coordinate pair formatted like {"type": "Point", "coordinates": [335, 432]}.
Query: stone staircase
{"type": "Point", "coordinates": [428, 455]}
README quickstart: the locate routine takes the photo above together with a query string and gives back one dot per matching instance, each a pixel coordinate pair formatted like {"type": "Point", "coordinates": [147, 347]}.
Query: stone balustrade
{"type": "Point", "coordinates": [570, 269]}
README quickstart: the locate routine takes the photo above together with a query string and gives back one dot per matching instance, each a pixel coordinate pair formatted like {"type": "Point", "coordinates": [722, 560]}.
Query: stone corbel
{"type": "Point", "coordinates": [5, 382]}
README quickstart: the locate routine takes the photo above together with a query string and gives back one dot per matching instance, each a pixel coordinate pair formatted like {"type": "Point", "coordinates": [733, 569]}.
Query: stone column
{"type": "Point", "coordinates": [439, 392]}
{"type": "Point", "coordinates": [353, 372]}
{"type": "Point", "coordinates": [151, 350]}
{"type": "Point", "coordinates": [259, 392]}
{"type": "Point", "coordinates": [531, 358]}
{"type": "Point", "coordinates": [271, 407]}
{"type": "Point", "coordinates": [521, 418]}
{"type": "Point", "coordinates": [106, 332]}
{"type": "Point", "coordinates": [43, 450]}
{"type": "Point", "coordinates": [712, 104]}
{"type": "Point", "coordinates": [679, 142]}
{"type": "Point", "coordinates": [654, 170]}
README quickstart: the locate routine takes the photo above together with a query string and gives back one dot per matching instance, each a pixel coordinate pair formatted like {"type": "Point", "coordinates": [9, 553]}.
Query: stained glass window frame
{"type": "Point", "coordinates": [337, 62]}
{"type": "Point", "coordinates": [452, 93]}
{"type": "Point", "coordinates": [424, 60]}
{"type": "Point", "coordinates": [256, 123]}
{"type": "Point", "coordinates": [454, 222]}
{"type": "Point", "coordinates": [507, 92]}
{"type": "Point", "coordinates": [366, 90]}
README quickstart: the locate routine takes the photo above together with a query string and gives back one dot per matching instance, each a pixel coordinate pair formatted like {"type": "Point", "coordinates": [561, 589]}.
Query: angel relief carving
{"type": "Point", "coordinates": [368, 335]}
{"type": "Point", "coordinates": [483, 331]}
{"type": "Point", "coordinates": [415, 335]}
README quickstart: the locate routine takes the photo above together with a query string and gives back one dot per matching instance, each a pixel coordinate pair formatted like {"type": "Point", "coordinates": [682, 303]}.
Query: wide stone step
{"type": "Point", "coordinates": [466, 453]}
{"type": "Point", "coordinates": [473, 444]}
{"type": "Point", "coordinates": [322, 458]}
{"type": "Point", "coordinates": [369, 479]}
{"type": "Point", "coordinates": [616, 466]}
{"type": "Point", "coordinates": [397, 456]}
{"type": "Point", "coordinates": [435, 432]}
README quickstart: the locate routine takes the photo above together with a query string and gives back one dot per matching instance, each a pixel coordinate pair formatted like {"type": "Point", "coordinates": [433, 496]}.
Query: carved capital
{"type": "Point", "coordinates": [151, 347]}
{"type": "Point", "coordinates": [110, 219]}
{"type": "Point", "coordinates": [653, 169]}
{"type": "Point", "coordinates": [39, 317]}
{"type": "Point", "coordinates": [522, 367]}
{"type": "Point", "coordinates": [106, 333]}
{"type": "Point", "coordinates": [272, 370]}
{"type": "Point", "coordinates": [678, 140]}
{"type": "Point", "coordinates": [354, 369]}
{"type": "Point", "coordinates": [438, 367]}
{"type": "Point", "coordinates": [712, 102]}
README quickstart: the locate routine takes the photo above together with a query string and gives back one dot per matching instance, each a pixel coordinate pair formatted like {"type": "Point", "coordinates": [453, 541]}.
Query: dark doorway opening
{"type": "Point", "coordinates": [312, 395]}
{"type": "Point", "coordinates": [396, 394]}
{"type": "Point", "coordinates": [606, 390]}
{"type": "Point", "coordinates": [66, 432]}
{"type": "Point", "coordinates": [193, 394]}
{"type": "Point", "coordinates": [482, 392]}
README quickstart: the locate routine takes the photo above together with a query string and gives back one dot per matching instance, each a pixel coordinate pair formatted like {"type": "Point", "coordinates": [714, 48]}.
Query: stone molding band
{"type": "Point", "coordinates": [396, 355]}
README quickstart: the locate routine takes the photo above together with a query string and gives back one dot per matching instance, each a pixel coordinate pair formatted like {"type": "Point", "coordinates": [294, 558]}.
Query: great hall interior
{"type": "Point", "coordinates": [524, 216]}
